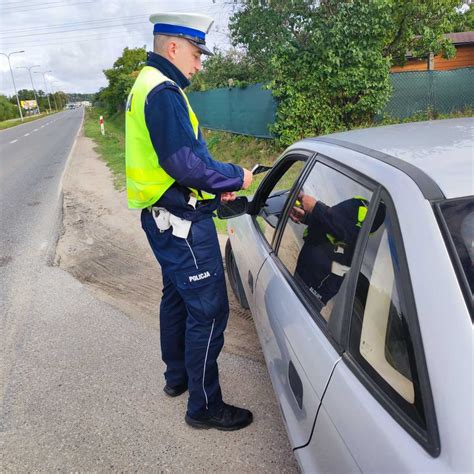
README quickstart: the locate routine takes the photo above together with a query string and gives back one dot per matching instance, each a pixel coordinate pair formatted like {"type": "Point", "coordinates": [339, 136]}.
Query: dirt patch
{"type": "Point", "coordinates": [103, 246]}
{"type": "Point", "coordinates": [4, 261]}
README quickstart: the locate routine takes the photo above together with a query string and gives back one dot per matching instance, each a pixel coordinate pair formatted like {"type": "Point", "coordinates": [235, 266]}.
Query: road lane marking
{"type": "Point", "coordinates": [26, 134]}
{"type": "Point", "coordinates": [42, 126]}
{"type": "Point", "coordinates": [36, 129]}
{"type": "Point", "coordinates": [13, 141]}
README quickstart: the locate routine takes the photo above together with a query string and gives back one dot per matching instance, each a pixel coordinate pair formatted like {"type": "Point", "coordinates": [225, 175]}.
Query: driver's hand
{"type": "Point", "coordinates": [228, 196]}
{"type": "Point", "coordinates": [307, 202]}
{"type": "Point", "coordinates": [297, 214]}
{"type": "Point", "coordinates": [248, 176]}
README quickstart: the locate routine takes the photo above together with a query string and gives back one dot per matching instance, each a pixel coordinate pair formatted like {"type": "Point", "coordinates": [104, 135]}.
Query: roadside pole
{"type": "Point", "coordinates": [102, 126]}
{"type": "Point", "coordinates": [45, 87]}
{"type": "Point", "coordinates": [13, 80]}
{"type": "Point", "coordinates": [32, 85]}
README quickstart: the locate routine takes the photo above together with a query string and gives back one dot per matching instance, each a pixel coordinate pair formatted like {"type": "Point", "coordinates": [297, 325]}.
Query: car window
{"type": "Point", "coordinates": [380, 339]}
{"type": "Point", "coordinates": [458, 215]}
{"type": "Point", "coordinates": [269, 214]}
{"type": "Point", "coordinates": [321, 233]}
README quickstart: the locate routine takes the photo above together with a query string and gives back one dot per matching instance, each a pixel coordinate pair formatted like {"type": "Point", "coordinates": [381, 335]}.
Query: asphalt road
{"type": "Point", "coordinates": [80, 383]}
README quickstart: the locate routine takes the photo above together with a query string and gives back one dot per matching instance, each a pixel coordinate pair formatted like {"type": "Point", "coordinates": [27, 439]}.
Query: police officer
{"type": "Point", "coordinates": [174, 180]}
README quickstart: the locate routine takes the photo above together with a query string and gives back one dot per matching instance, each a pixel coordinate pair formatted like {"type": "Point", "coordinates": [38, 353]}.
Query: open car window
{"type": "Point", "coordinates": [321, 234]}
{"type": "Point", "coordinates": [275, 192]}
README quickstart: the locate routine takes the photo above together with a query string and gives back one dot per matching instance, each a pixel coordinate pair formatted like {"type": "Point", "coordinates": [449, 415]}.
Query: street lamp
{"type": "Point", "coordinates": [31, 79]}
{"type": "Point", "coordinates": [13, 79]}
{"type": "Point", "coordinates": [45, 88]}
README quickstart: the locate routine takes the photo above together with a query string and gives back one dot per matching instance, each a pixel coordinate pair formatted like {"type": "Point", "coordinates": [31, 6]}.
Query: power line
{"type": "Point", "coordinates": [69, 40]}
{"type": "Point", "coordinates": [79, 40]}
{"type": "Point", "coordinates": [22, 2]}
{"type": "Point", "coordinates": [76, 23]}
{"type": "Point", "coordinates": [32, 4]}
{"type": "Point", "coordinates": [72, 30]}
{"type": "Point", "coordinates": [61, 5]}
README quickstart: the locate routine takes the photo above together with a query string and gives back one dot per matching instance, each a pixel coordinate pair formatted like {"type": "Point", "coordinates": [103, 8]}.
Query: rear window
{"type": "Point", "coordinates": [458, 216]}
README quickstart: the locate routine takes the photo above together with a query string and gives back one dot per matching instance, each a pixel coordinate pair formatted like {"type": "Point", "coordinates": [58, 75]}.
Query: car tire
{"type": "Point", "coordinates": [234, 276]}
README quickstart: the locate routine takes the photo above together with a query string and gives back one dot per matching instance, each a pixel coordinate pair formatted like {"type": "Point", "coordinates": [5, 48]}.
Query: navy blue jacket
{"type": "Point", "coordinates": [315, 259]}
{"type": "Point", "coordinates": [181, 155]}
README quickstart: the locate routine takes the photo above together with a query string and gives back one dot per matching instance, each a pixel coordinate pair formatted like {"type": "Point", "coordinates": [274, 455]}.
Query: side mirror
{"type": "Point", "coordinates": [235, 208]}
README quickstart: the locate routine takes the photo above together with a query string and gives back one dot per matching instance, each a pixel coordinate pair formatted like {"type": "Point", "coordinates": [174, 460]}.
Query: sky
{"type": "Point", "coordinates": [77, 39]}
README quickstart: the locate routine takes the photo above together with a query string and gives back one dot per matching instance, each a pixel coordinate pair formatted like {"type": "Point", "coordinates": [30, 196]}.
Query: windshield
{"type": "Point", "coordinates": [458, 215]}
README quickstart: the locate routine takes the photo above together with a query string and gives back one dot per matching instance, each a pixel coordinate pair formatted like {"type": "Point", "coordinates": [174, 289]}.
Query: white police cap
{"type": "Point", "coordinates": [192, 26]}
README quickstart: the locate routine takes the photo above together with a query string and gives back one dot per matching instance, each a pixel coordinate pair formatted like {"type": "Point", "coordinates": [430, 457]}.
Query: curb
{"type": "Point", "coordinates": [58, 224]}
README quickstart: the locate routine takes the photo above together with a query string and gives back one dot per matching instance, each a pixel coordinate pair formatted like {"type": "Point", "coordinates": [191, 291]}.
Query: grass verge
{"type": "Point", "coordinates": [227, 147]}
{"type": "Point", "coordinates": [111, 146]}
{"type": "Point", "coordinates": [13, 123]}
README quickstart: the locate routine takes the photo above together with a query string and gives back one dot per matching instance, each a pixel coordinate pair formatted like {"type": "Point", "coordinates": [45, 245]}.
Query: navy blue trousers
{"type": "Point", "coordinates": [194, 309]}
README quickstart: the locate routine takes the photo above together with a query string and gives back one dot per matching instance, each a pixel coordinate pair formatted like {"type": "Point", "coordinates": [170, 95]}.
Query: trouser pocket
{"type": "Point", "coordinates": [203, 291]}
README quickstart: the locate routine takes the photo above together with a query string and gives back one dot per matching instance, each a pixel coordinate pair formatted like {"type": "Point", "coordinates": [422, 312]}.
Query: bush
{"type": "Point", "coordinates": [7, 109]}
{"type": "Point", "coordinates": [338, 77]}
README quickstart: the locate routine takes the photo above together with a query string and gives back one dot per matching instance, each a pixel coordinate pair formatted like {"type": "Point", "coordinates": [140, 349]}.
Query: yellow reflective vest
{"type": "Point", "coordinates": [147, 181]}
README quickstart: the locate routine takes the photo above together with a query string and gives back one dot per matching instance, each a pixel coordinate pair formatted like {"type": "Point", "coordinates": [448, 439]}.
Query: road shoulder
{"type": "Point", "coordinates": [103, 246]}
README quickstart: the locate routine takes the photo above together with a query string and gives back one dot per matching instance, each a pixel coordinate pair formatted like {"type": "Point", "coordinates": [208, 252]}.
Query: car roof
{"type": "Point", "coordinates": [442, 149]}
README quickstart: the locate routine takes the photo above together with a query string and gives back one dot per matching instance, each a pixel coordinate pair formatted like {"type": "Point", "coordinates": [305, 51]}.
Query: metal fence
{"type": "Point", "coordinates": [248, 111]}
{"type": "Point", "coordinates": [251, 111]}
{"type": "Point", "coordinates": [438, 91]}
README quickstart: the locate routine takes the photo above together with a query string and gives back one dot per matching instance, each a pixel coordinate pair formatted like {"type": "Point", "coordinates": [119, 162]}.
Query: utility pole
{"type": "Point", "coordinates": [31, 79]}
{"type": "Point", "coordinates": [13, 79]}
{"type": "Point", "coordinates": [45, 87]}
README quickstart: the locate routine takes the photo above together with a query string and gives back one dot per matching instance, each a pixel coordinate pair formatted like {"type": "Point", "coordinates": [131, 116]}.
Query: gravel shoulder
{"type": "Point", "coordinates": [103, 246]}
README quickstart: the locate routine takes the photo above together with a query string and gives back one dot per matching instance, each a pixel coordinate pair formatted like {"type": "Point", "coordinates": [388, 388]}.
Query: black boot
{"type": "Point", "coordinates": [227, 418]}
{"type": "Point", "coordinates": [176, 390]}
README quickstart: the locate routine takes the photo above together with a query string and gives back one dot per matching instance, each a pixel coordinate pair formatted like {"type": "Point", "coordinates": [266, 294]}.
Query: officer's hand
{"type": "Point", "coordinates": [248, 176]}
{"type": "Point", "coordinates": [228, 196]}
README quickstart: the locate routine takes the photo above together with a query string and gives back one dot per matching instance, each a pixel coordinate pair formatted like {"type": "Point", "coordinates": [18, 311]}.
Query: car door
{"type": "Point", "coordinates": [377, 413]}
{"type": "Point", "coordinates": [252, 238]}
{"type": "Point", "coordinates": [292, 309]}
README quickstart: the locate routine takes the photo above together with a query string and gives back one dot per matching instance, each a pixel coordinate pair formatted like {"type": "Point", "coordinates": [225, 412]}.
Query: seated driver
{"type": "Point", "coordinates": [329, 241]}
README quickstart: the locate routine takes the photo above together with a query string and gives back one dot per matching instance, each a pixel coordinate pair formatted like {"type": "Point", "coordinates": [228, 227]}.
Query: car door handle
{"type": "Point", "coordinates": [250, 281]}
{"type": "Point", "coordinates": [295, 384]}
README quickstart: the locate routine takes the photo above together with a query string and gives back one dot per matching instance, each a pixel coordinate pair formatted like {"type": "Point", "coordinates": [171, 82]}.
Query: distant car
{"type": "Point", "coordinates": [363, 306]}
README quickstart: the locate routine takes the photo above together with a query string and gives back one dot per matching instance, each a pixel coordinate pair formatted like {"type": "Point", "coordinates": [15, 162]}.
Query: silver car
{"type": "Point", "coordinates": [355, 257]}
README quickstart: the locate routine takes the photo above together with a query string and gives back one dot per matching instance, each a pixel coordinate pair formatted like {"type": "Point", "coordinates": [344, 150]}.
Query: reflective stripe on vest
{"type": "Point", "coordinates": [361, 215]}
{"type": "Point", "coordinates": [147, 181]}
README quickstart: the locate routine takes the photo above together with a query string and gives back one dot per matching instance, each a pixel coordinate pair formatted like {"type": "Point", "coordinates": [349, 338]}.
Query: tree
{"type": "Point", "coordinates": [225, 69]}
{"type": "Point", "coordinates": [26, 94]}
{"type": "Point", "coordinates": [78, 97]}
{"type": "Point", "coordinates": [418, 27]}
{"type": "Point", "coordinates": [121, 78]}
{"type": "Point", "coordinates": [464, 19]}
{"type": "Point", "coordinates": [59, 99]}
{"type": "Point", "coordinates": [329, 61]}
{"type": "Point", "coordinates": [260, 27]}
{"type": "Point", "coordinates": [334, 76]}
